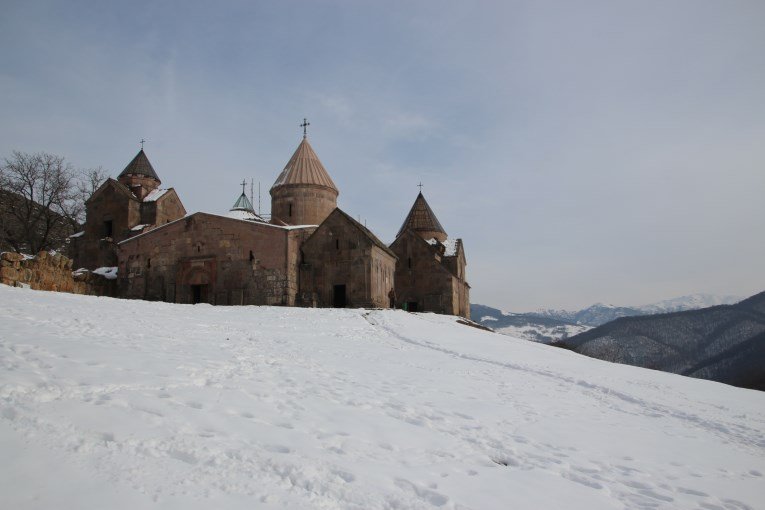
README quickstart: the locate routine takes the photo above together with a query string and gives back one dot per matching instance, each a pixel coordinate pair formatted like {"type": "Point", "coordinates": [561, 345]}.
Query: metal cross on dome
{"type": "Point", "coordinates": [142, 141]}
{"type": "Point", "coordinates": [305, 125]}
{"type": "Point", "coordinates": [420, 186]}
{"type": "Point", "coordinates": [244, 183]}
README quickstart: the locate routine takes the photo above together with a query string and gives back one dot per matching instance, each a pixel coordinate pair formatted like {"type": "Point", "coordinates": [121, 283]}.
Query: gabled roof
{"type": "Point", "coordinates": [304, 167]}
{"type": "Point", "coordinates": [140, 166]}
{"type": "Point", "coordinates": [364, 230]}
{"type": "Point", "coordinates": [421, 218]}
{"type": "Point", "coordinates": [111, 183]}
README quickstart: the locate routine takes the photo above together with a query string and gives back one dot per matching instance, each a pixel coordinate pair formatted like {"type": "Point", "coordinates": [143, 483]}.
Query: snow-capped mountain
{"type": "Point", "coordinates": [601, 313]}
{"type": "Point", "coordinates": [195, 406]}
{"type": "Point", "coordinates": [532, 327]}
{"type": "Point", "coordinates": [724, 343]}
{"type": "Point", "coordinates": [550, 326]}
{"type": "Point", "coordinates": [690, 302]}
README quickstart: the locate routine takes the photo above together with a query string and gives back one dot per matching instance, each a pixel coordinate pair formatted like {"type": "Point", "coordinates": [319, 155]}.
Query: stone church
{"type": "Point", "coordinates": [308, 253]}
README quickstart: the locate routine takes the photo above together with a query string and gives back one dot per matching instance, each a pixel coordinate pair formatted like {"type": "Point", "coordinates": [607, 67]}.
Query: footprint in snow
{"type": "Point", "coordinates": [345, 476]}
{"type": "Point", "coordinates": [277, 449]}
{"type": "Point", "coordinates": [427, 495]}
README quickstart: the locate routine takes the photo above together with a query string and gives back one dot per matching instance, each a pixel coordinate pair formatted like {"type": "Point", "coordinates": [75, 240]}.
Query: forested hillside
{"type": "Point", "coordinates": [723, 343]}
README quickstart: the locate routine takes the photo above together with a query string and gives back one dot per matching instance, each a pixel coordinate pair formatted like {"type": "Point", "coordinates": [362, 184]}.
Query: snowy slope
{"type": "Point", "coordinates": [126, 404]}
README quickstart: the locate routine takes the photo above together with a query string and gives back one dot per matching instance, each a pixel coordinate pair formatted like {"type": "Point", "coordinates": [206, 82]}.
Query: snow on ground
{"type": "Point", "coordinates": [108, 403]}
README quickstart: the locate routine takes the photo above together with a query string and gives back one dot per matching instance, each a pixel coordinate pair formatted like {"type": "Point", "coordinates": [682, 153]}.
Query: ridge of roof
{"type": "Point", "coordinates": [140, 165]}
{"type": "Point", "coordinates": [202, 213]}
{"type": "Point", "coordinates": [304, 167]}
{"type": "Point", "coordinates": [121, 188]}
{"type": "Point", "coordinates": [421, 218]}
{"type": "Point", "coordinates": [364, 230]}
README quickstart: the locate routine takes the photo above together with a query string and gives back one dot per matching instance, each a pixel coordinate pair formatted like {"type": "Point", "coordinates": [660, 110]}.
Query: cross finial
{"type": "Point", "coordinates": [244, 183]}
{"type": "Point", "coordinates": [420, 186]}
{"type": "Point", "coordinates": [142, 142]}
{"type": "Point", "coordinates": [305, 125]}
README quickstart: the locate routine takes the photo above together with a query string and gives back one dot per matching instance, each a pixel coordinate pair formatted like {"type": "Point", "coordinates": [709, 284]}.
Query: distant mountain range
{"type": "Point", "coordinates": [549, 326]}
{"type": "Point", "coordinates": [528, 326]}
{"type": "Point", "coordinates": [600, 313]}
{"type": "Point", "coordinates": [724, 343]}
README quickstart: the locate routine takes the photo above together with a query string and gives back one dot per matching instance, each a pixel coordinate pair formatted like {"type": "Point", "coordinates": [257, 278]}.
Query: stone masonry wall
{"type": "Point", "coordinates": [339, 254]}
{"type": "Point", "coordinates": [212, 259]}
{"type": "Point", "coordinates": [49, 271]}
{"type": "Point", "coordinates": [422, 282]}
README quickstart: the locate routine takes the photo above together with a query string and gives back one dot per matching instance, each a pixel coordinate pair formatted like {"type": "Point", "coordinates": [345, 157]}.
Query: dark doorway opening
{"type": "Point", "coordinates": [108, 229]}
{"type": "Point", "coordinates": [411, 306]}
{"type": "Point", "coordinates": [198, 294]}
{"type": "Point", "coordinates": [338, 296]}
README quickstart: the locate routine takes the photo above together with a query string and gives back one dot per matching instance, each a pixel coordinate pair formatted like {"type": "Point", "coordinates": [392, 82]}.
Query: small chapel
{"type": "Point", "coordinates": [308, 252]}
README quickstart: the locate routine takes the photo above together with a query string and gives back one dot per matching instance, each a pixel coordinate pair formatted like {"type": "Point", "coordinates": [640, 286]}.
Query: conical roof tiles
{"type": "Point", "coordinates": [242, 204]}
{"type": "Point", "coordinates": [304, 167]}
{"type": "Point", "coordinates": [421, 218]}
{"type": "Point", "coordinates": [140, 166]}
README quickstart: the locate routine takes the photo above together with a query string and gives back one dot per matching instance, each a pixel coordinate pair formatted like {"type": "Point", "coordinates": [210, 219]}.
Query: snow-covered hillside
{"type": "Point", "coordinates": [127, 404]}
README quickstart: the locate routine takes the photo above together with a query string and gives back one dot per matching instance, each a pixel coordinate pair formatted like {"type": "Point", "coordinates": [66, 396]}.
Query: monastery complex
{"type": "Point", "coordinates": [308, 253]}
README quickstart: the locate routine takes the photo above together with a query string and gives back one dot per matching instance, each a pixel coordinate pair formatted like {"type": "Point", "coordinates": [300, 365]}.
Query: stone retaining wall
{"type": "Point", "coordinates": [51, 271]}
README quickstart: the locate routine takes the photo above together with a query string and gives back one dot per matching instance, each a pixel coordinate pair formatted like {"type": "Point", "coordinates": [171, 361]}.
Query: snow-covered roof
{"type": "Point", "coordinates": [140, 227]}
{"type": "Point", "coordinates": [243, 214]}
{"type": "Point", "coordinates": [110, 273]}
{"type": "Point", "coordinates": [78, 234]}
{"type": "Point", "coordinates": [450, 246]}
{"type": "Point", "coordinates": [155, 195]}
{"type": "Point", "coordinates": [258, 222]}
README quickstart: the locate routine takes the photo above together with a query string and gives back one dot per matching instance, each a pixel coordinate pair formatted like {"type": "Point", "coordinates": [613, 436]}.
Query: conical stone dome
{"type": "Point", "coordinates": [304, 193]}
{"type": "Point", "coordinates": [422, 220]}
{"type": "Point", "coordinates": [140, 165]}
{"type": "Point", "coordinates": [139, 176]}
{"type": "Point", "coordinates": [303, 168]}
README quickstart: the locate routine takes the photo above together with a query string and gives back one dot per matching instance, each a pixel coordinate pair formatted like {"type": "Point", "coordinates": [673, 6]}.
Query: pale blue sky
{"type": "Point", "coordinates": [585, 151]}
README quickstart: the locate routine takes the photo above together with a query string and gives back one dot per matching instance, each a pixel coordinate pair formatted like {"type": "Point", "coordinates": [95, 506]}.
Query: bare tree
{"type": "Point", "coordinates": [90, 180]}
{"type": "Point", "coordinates": [42, 200]}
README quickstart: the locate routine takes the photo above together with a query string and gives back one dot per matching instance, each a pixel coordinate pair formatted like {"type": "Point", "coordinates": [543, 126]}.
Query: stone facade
{"type": "Point", "coordinates": [205, 258]}
{"type": "Point", "coordinates": [122, 209]}
{"type": "Point", "coordinates": [344, 264]}
{"type": "Point", "coordinates": [302, 205]}
{"type": "Point", "coordinates": [431, 269]}
{"type": "Point", "coordinates": [303, 193]}
{"type": "Point", "coordinates": [311, 253]}
{"type": "Point", "coordinates": [53, 272]}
